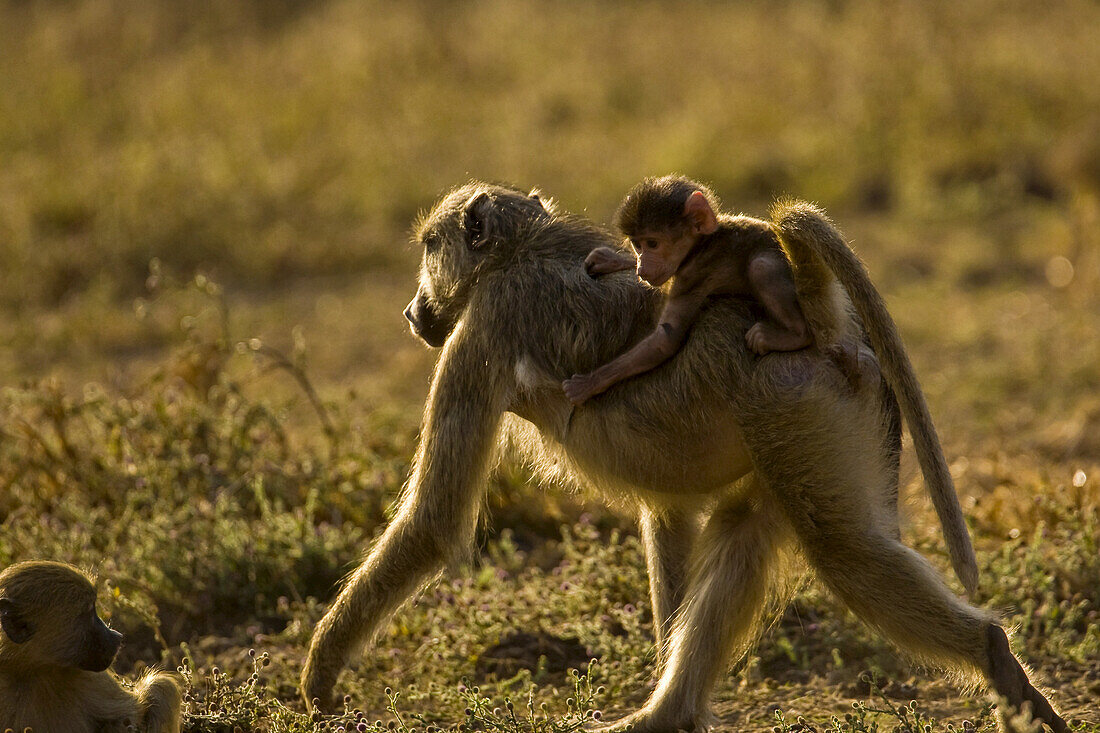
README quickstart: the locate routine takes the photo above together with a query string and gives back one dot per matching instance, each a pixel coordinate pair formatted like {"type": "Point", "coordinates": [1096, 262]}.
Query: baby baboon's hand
{"type": "Point", "coordinates": [579, 388]}
{"type": "Point", "coordinates": [604, 260]}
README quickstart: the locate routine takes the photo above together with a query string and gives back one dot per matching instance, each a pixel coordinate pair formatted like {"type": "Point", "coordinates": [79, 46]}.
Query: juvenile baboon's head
{"type": "Point", "coordinates": [471, 229]}
{"type": "Point", "coordinates": [48, 619]}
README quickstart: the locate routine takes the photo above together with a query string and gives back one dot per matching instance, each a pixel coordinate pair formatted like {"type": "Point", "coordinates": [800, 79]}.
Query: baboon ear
{"type": "Point", "coordinates": [534, 195]}
{"type": "Point", "coordinates": [698, 212]}
{"type": "Point", "coordinates": [474, 219]}
{"type": "Point", "coordinates": [17, 628]}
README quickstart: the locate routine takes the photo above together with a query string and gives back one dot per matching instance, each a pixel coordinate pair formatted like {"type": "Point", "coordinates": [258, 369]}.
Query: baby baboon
{"type": "Point", "coordinates": [54, 653]}
{"type": "Point", "coordinates": [771, 454]}
{"type": "Point", "coordinates": [673, 225]}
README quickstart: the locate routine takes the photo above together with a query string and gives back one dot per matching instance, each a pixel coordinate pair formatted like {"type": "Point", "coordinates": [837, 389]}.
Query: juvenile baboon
{"type": "Point", "coordinates": [675, 228]}
{"type": "Point", "coordinates": [54, 653]}
{"type": "Point", "coordinates": [777, 452]}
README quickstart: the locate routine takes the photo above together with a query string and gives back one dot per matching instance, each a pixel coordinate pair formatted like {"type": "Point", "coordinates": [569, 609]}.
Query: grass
{"type": "Point", "coordinates": [211, 400]}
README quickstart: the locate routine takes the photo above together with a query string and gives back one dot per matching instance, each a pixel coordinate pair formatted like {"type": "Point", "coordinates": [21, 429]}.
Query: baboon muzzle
{"type": "Point", "coordinates": [429, 327]}
{"type": "Point", "coordinates": [101, 649]}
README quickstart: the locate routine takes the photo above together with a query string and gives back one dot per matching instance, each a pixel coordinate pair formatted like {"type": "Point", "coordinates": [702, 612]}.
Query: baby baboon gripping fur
{"type": "Point", "coordinates": [54, 653]}
{"type": "Point", "coordinates": [677, 232]}
{"type": "Point", "coordinates": [777, 452]}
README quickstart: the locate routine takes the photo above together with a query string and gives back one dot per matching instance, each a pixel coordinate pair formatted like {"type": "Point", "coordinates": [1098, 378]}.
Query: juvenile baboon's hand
{"type": "Point", "coordinates": [604, 260]}
{"type": "Point", "coordinates": [579, 388]}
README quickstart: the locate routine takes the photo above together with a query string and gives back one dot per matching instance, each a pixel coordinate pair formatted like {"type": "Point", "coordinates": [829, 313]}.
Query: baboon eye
{"type": "Point", "coordinates": [473, 228]}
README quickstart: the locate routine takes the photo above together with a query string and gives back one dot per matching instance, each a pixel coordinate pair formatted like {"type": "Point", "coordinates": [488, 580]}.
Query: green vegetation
{"type": "Point", "coordinates": [210, 397]}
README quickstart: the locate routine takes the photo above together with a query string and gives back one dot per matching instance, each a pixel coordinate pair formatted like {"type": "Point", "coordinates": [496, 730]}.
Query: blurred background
{"type": "Point", "coordinates": [204, 195]}
{"type": "Point", "coordinates": [284, 148]}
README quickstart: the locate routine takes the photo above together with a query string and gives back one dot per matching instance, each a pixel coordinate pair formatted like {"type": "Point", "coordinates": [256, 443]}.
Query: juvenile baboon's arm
{"type": "Point", "coordinates": [438, 510]}
{"type": "Point", "coordinates": [672, 328]}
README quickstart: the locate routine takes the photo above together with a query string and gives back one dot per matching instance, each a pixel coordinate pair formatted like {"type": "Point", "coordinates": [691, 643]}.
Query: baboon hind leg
{"type": "Point", "coordinates": [668, 537]}
{"type": "Point", "coordinates": [893, 588]}
{"type": "Point", "coordinates": [727, 585]}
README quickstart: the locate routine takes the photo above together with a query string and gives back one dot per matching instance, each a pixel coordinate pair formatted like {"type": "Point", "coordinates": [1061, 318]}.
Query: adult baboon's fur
{"type": "Point", "coordinates": [54, 653]}
{"type": "Point", "coordinates": [772, 452]}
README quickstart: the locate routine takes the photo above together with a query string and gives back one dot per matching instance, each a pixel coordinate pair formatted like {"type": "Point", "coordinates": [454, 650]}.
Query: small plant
{"type": "Point", "coordinates": [886, 716]}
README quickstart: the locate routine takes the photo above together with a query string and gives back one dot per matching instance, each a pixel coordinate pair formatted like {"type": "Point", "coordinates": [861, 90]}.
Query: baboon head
{"type": "Point", "coordinates": [48, 619]}
{"type": "Point", "coordinates": [469, 230]}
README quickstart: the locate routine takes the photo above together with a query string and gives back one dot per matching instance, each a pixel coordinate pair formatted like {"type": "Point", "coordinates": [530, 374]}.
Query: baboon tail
{"type": "Point", "coordinates": [808, 233]}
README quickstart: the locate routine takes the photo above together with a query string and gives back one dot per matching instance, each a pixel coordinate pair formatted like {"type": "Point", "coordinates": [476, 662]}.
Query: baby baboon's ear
{"type": "Point", "coordinates": [17, 628]}
{"type": "Point", "coordinates": [534, 195]}
{"type": "Point", "coordinates": [475, 219]}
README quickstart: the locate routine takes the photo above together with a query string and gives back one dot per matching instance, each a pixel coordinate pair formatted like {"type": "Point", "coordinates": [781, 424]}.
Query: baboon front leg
{"type": "Point", "coordinates": [437, 515]}
{"type": "Point", "coordinates": [668, 538]}
{"type": "Point", "coordinates": [413, 549]}
{"type": "Point", "coordinates": [721, 613]}
{"type": "Point", "coordinates": [159, 699]}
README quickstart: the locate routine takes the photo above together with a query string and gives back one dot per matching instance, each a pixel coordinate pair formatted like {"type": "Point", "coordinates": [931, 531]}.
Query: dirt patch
{"type": "Point", "coordinates": [523, 650]}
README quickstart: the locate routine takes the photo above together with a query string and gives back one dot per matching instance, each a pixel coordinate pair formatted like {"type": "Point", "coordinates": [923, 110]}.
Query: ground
{"type": "Point", "coordinates": [211, 400]}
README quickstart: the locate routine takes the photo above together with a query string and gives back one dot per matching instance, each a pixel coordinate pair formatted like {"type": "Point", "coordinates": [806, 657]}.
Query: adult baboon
{"type": "Point", "coordinates": [54, 653]}
{"type": "Point", "coordinates": [776, 450]}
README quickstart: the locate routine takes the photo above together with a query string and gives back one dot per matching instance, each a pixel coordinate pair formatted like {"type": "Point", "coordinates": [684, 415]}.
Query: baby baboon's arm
{"type": "Point", "coordinates": [672, 327]}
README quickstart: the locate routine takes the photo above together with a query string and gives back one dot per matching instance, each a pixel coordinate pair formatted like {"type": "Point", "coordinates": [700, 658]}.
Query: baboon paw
{"type": "Point", "coordinates": [645, 721]}
{"type": "Point", "coordinates": [317, 691]}
{"type": "Point", "coordinates": [1034, 709]}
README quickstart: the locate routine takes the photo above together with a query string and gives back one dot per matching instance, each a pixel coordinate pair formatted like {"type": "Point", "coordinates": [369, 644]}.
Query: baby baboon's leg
{"type": "Point", "coordinates": [721, 613]}
{"type": "Point", "coordinates": [668, 538]}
